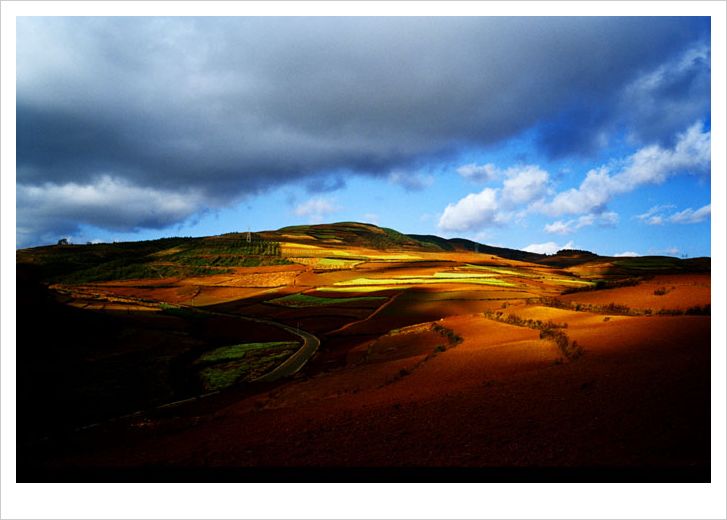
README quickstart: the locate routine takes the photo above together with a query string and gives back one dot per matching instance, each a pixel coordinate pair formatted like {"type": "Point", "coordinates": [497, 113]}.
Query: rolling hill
{"type": "Point", "coordinates": [316, 336]}
{"type": "Point", "coordinates": [330, 243]}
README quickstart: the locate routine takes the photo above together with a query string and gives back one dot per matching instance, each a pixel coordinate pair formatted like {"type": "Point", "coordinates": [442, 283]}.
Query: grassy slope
{"type": "Point", "coordinates": [183, 257]}
{"type": "Point", "coordinates": [226, 366]}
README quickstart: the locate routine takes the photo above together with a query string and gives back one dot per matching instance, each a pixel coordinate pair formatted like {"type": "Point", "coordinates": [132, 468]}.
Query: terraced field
{"type": "Point", "coordinates": [448, 355]}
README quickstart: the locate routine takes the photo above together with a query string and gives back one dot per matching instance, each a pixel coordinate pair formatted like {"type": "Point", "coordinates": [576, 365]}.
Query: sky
{"type": "Point", "coordinates": [531, 133]}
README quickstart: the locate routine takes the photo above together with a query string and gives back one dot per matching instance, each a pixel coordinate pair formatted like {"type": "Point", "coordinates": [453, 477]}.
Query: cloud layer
{"type": "Point", "coordinates": [649, 165]}
{"type": "Point", "coordinates": [526, 189]}
{"type": "Point", "coordinates": [108, 202]}
{"type": "Point", "coordinates": [218, 109]}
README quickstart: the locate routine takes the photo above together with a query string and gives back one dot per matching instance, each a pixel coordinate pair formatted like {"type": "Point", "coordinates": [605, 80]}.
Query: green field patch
{"type": "Point", "coordinates": [229, 365]}
{"type": "Point", "coordinates": [295, 229]}
{"type": "Point", "coordinates": [337, 263]}
{"type": "Point", "coordinates": [233, 352]}
{"type": "Point", "coordinates": [306, 300]}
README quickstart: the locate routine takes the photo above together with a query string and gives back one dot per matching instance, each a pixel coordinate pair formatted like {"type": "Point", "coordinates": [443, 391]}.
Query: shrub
{"type": "Point", "coordinates": [570, 349]}
{"type": "Point", "coordinates": [452, 337]}
{"type": "Point", "coordinates": [703, 310]}
{"type": "Point", "coordinates": [549, 330]}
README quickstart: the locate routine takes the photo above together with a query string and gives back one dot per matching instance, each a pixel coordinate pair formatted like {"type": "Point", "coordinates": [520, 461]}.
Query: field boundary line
{"type": "Point", "coordinates": [378, 310]}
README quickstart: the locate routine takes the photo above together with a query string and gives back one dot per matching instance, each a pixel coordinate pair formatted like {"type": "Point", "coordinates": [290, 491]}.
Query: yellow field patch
{"type": "Point", "coordinates": [421, 280]}
{"type": "Point", "coordinates": [295, 245]}
{"type": "Point", "coordinates": [362, 288]}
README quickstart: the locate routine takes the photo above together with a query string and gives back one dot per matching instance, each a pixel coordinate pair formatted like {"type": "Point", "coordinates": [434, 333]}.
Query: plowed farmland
{"type": "Point", "coordinates": [427, 358]}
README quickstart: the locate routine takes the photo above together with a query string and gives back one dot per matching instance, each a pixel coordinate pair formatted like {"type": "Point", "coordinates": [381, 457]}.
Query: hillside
{"type": "Point", "coordinates": [335, 245]}
{"type": "Point", "coordinates": [317, 336]}
{"type": "Point", "coordinates": [463, 244]}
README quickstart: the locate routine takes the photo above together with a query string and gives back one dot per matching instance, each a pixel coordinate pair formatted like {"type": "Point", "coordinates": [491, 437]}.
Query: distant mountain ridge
{"type": "Point", "coordinates": [463, 244]}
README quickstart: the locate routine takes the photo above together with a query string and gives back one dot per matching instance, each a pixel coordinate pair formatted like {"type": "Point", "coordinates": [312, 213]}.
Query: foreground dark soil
{"type": "Point", "coordinates": [631, 403]}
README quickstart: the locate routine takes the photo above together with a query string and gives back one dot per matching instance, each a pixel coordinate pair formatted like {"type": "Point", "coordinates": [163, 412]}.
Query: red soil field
{"type": "Point", "coordinates": [498, 398]}
{"type": "Point", "coordinates": [682, 291]}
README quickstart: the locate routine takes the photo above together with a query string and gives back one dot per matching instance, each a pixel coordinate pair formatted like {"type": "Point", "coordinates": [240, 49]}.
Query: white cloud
{"type": "Point", "coordinates": [649, 165]}
{"type": "Point", "coordinates": [524, 185]}
{"type": "Point", "coordinates": [689, 216]}
{"type": "Point", "coordinates": [479, 172]}
{"type": "Point", "coordinates": [657, 215]}
{"type": "Point", "coordinates": [474, 210]}
{"type": "Point", "coordinates": [411, 181]}
{"type": "Point", "coordinates": [609, 218]}
{"type": "Point", "coordinates": [571, 226]}
{"type": "Point", "coordinates": [373, 218]}
{"type": "Point", "coordinates": [560, 227]}
{"type": "Point", "coordinates": [654, 215]}
{"type": "Point", "coordinates": [547, 248]}
{"type": "Point", "coordinates": [491, 206]}
{"type": "Point", "coordinates": [627, 253]}
{"type": "Point", "coordinates": [316, 209]}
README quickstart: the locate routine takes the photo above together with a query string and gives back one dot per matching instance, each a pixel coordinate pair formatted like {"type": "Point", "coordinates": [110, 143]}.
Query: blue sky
{"type": "Point", "coordinates": [530, 133]}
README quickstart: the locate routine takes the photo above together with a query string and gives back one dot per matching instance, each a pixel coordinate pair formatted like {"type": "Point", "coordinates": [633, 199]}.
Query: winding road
{"type": "Point", "coordinates": [287, 368]}
{"type": "Point", "coordinates": [293, 363]}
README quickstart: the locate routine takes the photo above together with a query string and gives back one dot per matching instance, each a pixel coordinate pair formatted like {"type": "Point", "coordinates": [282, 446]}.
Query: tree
{"type": "Point", "coordinates": [63, 242]}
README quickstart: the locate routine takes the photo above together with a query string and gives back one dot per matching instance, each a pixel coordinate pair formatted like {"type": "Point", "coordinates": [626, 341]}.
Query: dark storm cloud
{"type": "Point", "coordinates": [227, 107]}
{"type": "Point", "coordinates": [325, 184]}
{"type": "Point", "coordinates": [653, 107]}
